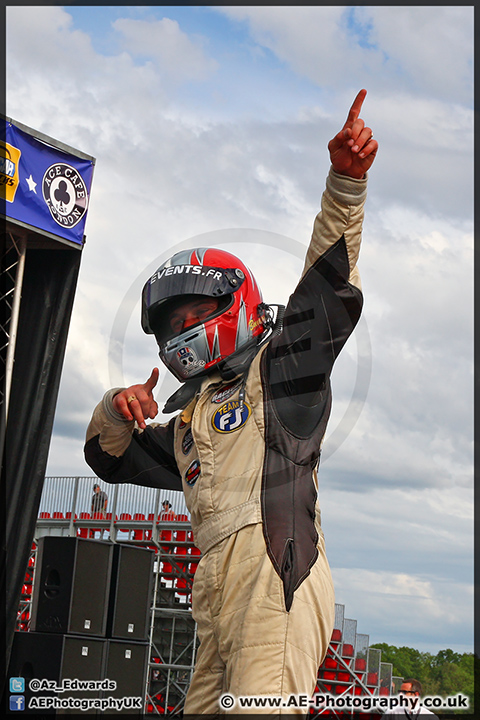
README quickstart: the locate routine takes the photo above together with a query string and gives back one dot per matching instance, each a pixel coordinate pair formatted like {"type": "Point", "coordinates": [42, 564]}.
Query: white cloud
{"type": "Point", "coordinates": [422, 48]}
{"type": "Point", "coordinates": [431, 46]}
{"type": "Point", "coordinates": [164, 42]}
{"type": "Point", "coordinates": [419, 612]}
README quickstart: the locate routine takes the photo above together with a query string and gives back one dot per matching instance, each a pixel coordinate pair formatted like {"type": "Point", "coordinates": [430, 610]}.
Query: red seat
{"type": "Point", "coordinates": [166, 535]}
{"type": "Point", "coordinates": [58, 516]}
{"type": "Point", "coordinates": [372, 679]}
{"type": "Point", "coordinates": [167, 571]}
{"type": "Point", "coordinates": [360, 664]}
{"type": "Point", "coordinates": [44, 516]}
{"type": "Point", "coordinates": [347, 651]}
{"type": "Point", "coordinates": [148, 532]}
{"type": "Point", "coordinates": [83, 532]}
{"type": "Point", "coordinates": [181, 535]}
{"type": "Point", "coordinates": [139, 534]}
{"type": "Point", "coordinates": [181, 584]}
{"type": "Point", "coordinates": [336, 638]}
{"type": "Point", "coordinates": [328, 675]}
{"type": "Point", "coordinates": [194, 551]}
{"type": "Point", "coordinates": [384, 691]}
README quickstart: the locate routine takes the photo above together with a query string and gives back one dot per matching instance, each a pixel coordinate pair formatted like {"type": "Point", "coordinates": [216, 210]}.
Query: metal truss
{"type": "Point", "coordinates": [13, 263]}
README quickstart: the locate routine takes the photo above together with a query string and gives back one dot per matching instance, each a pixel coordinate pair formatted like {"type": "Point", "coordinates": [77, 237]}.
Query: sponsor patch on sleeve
{"type": "Point", "coordinates": [193, 473]}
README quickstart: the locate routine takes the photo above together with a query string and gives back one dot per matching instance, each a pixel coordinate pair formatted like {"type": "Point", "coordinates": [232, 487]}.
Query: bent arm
{"type": "Point", "coordinates": [120, 453]}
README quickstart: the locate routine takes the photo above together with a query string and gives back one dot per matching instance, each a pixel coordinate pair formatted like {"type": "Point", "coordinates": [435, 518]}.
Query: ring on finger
{"type": "Point", "coordinates": [131, 398]}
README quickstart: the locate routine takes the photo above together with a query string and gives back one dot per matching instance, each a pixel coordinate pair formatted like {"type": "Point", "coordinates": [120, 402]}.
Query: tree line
{"type": "Point", "coordinates": [447, 673]}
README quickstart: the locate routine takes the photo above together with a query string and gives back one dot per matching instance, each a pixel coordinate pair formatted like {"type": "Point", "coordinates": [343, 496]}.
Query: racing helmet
{"type": "Point", "coordinates": [232, 328]}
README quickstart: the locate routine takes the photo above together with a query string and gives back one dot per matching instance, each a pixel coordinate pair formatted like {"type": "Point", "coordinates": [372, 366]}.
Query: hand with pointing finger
{"type": "Point", "coordinates": [353, 149]}
{"type": "Point", "coordinates": [137, 402]}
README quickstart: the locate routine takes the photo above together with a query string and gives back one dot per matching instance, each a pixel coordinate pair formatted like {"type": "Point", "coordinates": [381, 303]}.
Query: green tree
{"type": "Point", "coordinates": [447, 673]}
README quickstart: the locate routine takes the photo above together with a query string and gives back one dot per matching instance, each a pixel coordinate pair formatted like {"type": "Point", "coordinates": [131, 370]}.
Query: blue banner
{"type": "Point", "coordinates": [42, 185]}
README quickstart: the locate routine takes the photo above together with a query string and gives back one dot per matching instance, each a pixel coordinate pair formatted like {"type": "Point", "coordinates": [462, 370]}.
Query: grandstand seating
{"type": "Point", "coordinates": [350, 666]}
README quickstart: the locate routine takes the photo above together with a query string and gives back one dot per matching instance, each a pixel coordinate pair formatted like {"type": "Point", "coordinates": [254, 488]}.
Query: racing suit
{"type": "Point", "coordinates": [263, 596]}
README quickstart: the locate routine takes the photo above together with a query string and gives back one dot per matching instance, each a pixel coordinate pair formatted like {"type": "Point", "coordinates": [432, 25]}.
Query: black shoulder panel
{"type": "Point", "coordinates": [320, 316]}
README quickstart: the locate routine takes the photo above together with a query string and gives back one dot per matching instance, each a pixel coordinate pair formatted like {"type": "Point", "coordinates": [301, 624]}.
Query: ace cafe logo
{"type": "Point", "coordinates": [65, 193]}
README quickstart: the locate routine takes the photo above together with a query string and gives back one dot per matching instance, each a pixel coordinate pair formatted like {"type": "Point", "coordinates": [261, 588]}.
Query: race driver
{"type": "Point", "coordinates": [244, 442]}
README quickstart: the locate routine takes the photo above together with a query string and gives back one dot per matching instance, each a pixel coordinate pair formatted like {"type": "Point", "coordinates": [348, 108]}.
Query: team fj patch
{"type": "Point", "coordinates": [226, 392]}
{"type": "Point", "coordinates": [65, 194]}
{"type": "Point", "coordinates": [231, 417]}
{"type": "Point", "coordinates": [193, 473]}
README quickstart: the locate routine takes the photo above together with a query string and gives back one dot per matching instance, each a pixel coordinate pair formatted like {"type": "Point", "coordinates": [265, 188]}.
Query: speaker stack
{"type": "Point", "coordinates": [89, 627]}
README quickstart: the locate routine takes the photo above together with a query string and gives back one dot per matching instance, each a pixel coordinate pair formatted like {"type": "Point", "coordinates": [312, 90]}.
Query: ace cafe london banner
{"type": "Point", "coordinates": [44, 186]}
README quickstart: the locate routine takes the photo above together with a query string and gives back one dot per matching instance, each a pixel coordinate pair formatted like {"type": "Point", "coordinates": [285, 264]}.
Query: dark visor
{"type": "Point", "coordinates": [178, 281]}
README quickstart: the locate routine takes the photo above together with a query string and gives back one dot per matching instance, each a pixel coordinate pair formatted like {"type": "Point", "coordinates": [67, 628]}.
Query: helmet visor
{"type": "Point", "coordinates": [177, 281]}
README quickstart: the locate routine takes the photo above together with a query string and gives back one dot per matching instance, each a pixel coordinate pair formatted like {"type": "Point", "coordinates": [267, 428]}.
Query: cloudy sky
{"type": "Point", "coordinates": [209, 125]}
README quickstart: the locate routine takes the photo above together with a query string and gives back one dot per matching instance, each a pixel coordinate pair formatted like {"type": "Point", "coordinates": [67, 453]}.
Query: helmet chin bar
{"type": "Point", "coordinates": [231, 367]}
{"type": "Point", "coordinates": [238, 362]}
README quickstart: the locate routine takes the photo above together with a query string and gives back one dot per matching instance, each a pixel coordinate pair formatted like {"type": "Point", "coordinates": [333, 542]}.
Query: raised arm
{"type": "Point", "coordinates": [326, 305]}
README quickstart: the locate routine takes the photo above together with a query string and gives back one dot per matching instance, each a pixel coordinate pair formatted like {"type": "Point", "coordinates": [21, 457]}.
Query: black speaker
{"type": "Point", "coordinates": [126, 664]}
{"type": "Point", "coordinates": [53, 657]}
{"type": "Point", "coordinates": [130, 594]}
{"type": "Point", "coordinates": [71, 586]}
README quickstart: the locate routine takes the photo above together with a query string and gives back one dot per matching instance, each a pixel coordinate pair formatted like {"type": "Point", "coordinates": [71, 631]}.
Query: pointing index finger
{"type": "Point", "coordinates": [354, 111]}
{"type": "Point", "coordinates": [152, 380]}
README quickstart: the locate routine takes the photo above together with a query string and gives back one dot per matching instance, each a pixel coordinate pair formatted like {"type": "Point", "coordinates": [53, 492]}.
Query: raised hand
{"type": "Point", "coordinates": [353, 149]}
{"type": "Point", "coordinates": [136, 402]}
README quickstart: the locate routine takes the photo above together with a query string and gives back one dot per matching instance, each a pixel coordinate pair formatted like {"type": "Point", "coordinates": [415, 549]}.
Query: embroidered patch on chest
{"type": "Point", "coordinates": [193, 473]}
{"type": "Point", "coordinates": [226, 392]}
{"type": "Point", "coordinates": [229, 417]}
{"type": "Point", "coordinates": [187, 442]}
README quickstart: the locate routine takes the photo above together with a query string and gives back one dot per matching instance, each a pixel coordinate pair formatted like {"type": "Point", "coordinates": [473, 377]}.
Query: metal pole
{"type": "Point", "coordinates": [113, 531]}
{"type": "Point", "coordinates": [72, 529]}
{"type": "Point", "coordinates": [13, 327]}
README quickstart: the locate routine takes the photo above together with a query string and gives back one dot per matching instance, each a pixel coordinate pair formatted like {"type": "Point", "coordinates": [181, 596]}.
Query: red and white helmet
{"type": "Point", "coordinates": [234, 327]}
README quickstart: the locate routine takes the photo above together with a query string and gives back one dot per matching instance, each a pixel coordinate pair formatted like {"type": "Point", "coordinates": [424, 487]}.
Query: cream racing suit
{"type": "Point", "coordinates": [263, 596]}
